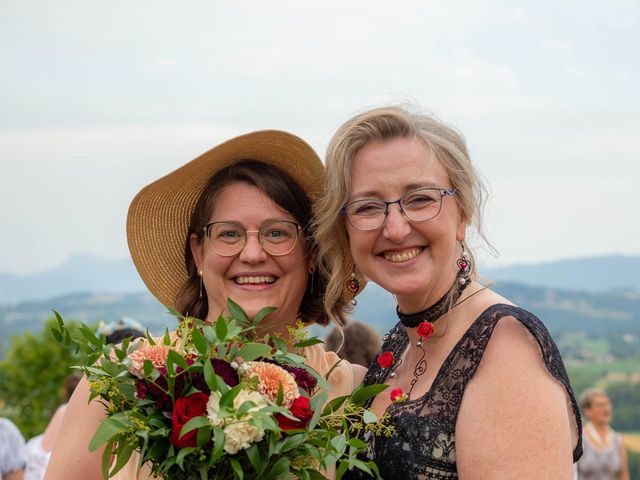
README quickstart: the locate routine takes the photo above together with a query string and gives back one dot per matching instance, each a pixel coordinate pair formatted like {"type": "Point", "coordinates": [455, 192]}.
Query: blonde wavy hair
{"type": "Point", "coordinates": [383, 124]}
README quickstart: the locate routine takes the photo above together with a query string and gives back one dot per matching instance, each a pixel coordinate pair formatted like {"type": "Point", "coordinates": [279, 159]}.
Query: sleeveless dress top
{"type": "Point", "coordinates": [600, 463]}
{"type": "Point", "coordinates": [341, 380]}
{"type": "Point", "coordinates": [423, 445]}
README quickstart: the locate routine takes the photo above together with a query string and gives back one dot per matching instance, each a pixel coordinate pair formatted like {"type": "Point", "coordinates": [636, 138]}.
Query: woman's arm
{"type": "Point", "coordinates": [624, 475]}
{"type": "Point", "coordinates": [70, 457]}
{"type": "Point", "coordinates": [515, 420]}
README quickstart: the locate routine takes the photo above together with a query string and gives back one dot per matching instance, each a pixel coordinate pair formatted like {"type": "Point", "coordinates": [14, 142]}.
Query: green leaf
{"type": "Point", "coordinates": [253, 453]}
{"type": "Point", "coordinates": [198, 341]}
{"type": "Point", "coordinates": [279, 468]}
{"type": "Point", "coordinates": [226, 401]}
{"type": "Point", "coordinates": [147, 367]}
{"type": "Point", "coordinates": [177, 359]}
{"type": "Point", "coordinates": [123, 454]}
{"type": "Point", "coordinates": [195, 422]}
{"type": "Point", "coordinates": [166, 339]}
{"type": "Point", "coordinates": [182, 454]}
{"type": "Point", "coordinates": [218, 445]}
{"type": "Point", "coordinates": [237, 312]}
{"type": "Point", "coordinates": [237, 469]}
{"type": "Point", "coordinates": [364, 393]}
{"type": "Point", "coordinates": [263, 313]}
{"type": "Point", "coordinates": [210, 376]}
{"type": "Point", "coordinates": [221, 329]}
{"type": "Point", "coordinates": [334, 405]}
{"type": "Point", "coordinates": [308, 342]}
{"type": "Point", "coordinates": [106, 460]}
{"type": "Point", "coordinates": [251, 351]}
{"type": "Point", "coordinates": [292, 441]}
{"type": "Point", "coordinates": [203, 436]}
{"type": "Point", "coordinates": [107, 429]}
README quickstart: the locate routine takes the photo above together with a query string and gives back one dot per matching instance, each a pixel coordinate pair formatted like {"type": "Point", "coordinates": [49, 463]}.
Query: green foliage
{"type": "Point", "coordinates": [185, 365]}
{"type": "Point", "coordinates": [32, 375]}
{"type": "Point", "coordinates": [634, 464]}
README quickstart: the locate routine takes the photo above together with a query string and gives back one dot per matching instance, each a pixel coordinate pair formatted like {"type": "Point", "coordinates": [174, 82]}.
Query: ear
{"type": "Point", "coordinates": [461, 230]}
{"type": "Point", "coordinates": [196, 250]}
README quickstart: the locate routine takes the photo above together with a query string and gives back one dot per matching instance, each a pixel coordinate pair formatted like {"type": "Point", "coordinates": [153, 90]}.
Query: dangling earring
{"type": "Point", "coordinates": [311, 283]}
{"type": "Point", "coordinates": [353, 285]}
{"type": "Point", "coordinates": [200, 273]}
{"type": "Point", "coordinates": [464, 266]}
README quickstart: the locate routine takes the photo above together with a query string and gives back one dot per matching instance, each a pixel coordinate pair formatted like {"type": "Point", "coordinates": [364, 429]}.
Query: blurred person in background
{"type": "Point", "coordinates": [357, 343]}
{"type": "Point", "coordinates": [116, 332]}
{"type": "Point", "coordinates": [11, 451]}
{"type": "Point", "coordinates": [604, 457]}
{"type": "Point", "coordinates": [38, 449]}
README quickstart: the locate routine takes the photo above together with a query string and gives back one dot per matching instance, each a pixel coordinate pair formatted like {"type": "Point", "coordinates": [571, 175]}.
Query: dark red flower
{"type": "Point", "coordinates": [303, 378]}
{"type": "Point", "coordinates": [385, 359]}
{"type": "Point", "coordinates": [425, 329]}
{"type": "Point", "coordinates": [186, 408]}
{"type": "Point", "coordinates": [300, 409]}
{"type": "Point", "coordinates": [225, 371]}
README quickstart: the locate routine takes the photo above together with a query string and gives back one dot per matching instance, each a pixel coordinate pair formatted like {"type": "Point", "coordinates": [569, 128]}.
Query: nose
{"type": "Point", "coordinates": [252, 252]}
{"type": "Point", "coordinates": [396, 226]}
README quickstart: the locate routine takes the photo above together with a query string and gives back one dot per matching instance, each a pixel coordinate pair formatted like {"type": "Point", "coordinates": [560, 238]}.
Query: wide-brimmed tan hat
{"type": "Point", "coordinates": [159, 216]}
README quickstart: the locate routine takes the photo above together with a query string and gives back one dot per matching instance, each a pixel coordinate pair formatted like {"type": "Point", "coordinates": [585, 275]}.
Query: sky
{"type": "Point", "coordinates": [97, 99]}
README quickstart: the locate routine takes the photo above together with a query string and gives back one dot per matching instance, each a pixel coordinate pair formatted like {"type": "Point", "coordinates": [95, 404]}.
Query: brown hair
{"type": "Point", "coordinates": [357, 343]}
{"type": "Point", "coordinates": [287, 194]}
{"type": "Point", "coordinates": [382, 124]}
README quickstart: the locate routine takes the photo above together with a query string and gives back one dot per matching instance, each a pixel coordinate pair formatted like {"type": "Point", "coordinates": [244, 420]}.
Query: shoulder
{"type": "Point", "coordinates": [514, 414]}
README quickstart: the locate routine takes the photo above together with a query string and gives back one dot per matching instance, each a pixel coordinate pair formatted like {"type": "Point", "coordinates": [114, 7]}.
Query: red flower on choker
{"type": "Point", "coordinates": [425, 329]}
{"type": "Point", "coordinates": [385, 360]}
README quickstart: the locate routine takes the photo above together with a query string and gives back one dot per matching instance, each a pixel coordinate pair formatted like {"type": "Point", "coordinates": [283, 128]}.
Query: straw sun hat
{"type": "Point", "coordinates": [158, 219]}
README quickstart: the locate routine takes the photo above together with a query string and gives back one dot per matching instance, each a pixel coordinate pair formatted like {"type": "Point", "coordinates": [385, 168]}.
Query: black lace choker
{"type": "Point", "coordinates": [435, 311]}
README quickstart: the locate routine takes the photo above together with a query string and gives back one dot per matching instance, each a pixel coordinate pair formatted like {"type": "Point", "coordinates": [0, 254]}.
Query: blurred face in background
{"type": "Point", "coordinates": [600, 410]}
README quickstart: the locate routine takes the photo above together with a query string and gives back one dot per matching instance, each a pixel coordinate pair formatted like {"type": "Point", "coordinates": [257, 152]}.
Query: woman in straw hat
{"type": "Point", "coordinates": [233, 223]}
{"type": "Point", "coordinates": [477, 387]}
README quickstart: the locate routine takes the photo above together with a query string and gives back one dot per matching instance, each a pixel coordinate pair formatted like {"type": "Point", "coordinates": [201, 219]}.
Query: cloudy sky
{"type": "Point", "coordinates": [99, 98]}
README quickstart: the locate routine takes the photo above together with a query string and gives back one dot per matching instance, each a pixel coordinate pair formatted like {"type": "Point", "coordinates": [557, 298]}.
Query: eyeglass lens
{"type": "Point", "coordinates": [229, 238]}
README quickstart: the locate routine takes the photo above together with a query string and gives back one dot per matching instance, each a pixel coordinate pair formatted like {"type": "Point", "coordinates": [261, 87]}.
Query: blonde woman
{"type": "Point", "coordinates": [477, 387]}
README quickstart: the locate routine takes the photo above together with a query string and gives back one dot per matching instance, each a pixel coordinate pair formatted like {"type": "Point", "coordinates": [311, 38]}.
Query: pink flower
{"type": "Point", "coordinates": [271, 378]}
{"type": "Point", "coordinates": [156, 354]}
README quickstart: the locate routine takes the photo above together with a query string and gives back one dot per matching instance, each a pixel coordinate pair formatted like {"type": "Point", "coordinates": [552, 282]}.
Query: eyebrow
{"type": "Point", "coordinates": [407, 188]}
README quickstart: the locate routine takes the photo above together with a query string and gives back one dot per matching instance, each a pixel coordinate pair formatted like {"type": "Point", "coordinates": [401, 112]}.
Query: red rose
{"type": "Point", "coordinates": [385, 360]}
{"type": "Point", "coordinates": [186, 408]}
{"type": "Point", "coordinates": [397, 395]}
{"type": "Point", "coordinates": [301, 410]}
{"type": "Point", "coordinates": [425, 329]}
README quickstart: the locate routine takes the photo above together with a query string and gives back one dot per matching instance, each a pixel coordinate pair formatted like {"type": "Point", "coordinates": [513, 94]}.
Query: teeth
{"type": "Point", "coordinates": [404, 256]}
{"type": "Point", "coordinates": [255, 280]}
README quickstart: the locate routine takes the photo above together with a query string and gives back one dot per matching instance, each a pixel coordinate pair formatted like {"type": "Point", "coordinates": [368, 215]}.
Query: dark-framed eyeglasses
{"type": "Point", "coordinates": [229, 238]}
{"type": "Point", "coordinates": [417, 205]}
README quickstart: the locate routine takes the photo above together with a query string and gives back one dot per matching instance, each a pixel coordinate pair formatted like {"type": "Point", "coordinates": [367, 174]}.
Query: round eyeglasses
{"type": "Point", "coordinates": [417, 205]}
{"type": "Point", "coordinates": [229, 238]}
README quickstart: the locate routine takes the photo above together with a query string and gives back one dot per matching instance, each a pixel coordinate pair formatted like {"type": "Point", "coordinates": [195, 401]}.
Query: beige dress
{"type": "Point", "coordinates": [342, 382]}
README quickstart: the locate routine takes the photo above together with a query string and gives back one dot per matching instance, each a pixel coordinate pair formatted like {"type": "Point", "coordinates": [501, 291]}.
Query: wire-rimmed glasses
{"type": "Point", "coordinates": [417, 205]}
{"type": "Point", "coordinates": [229, 238]}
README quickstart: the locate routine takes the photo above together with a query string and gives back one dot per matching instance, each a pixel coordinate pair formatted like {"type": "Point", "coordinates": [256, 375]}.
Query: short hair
{"type": "Point", "coordinates": [120, 334]}
{"type": "Point", "coordinates": [357, 342]}
{"type": "Point", "coordinates": [384, 124]}
{"type": "Point", "coordinates": [586, 398]}
{"type": "Point", "coordinates": [288, 195]}
{"type": "Point", "coordinates": [70, 384]}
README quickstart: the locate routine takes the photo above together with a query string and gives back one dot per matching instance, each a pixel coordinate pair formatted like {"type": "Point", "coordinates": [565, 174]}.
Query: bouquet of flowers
{"type": "Point", "coordinates": [212, 401]}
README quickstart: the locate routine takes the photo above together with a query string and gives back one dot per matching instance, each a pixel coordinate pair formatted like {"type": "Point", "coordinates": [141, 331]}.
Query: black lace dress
{"type": "Point", "coordinates": [423, 445]}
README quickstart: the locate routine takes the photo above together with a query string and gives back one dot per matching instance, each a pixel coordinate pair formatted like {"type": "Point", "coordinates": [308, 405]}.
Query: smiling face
{"type": "Point", "coordinates": [252, 278]}
{"type": "Point", "coordinates": [416, 261]}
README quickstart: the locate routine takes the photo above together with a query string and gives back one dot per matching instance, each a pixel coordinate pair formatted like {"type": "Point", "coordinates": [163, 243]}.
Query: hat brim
{"type": "Point", "coordinates": [159, 215]}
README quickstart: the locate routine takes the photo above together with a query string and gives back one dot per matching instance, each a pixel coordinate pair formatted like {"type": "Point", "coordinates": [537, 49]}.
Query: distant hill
{"type": "Point", "coordinates": [596, 315]}
{"type": "Point", "coordinates": [88, 273]}
{"type": "Point", "coordinates": [592, 274]}
{"type": "Point", "coordinates": [80, 273]}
